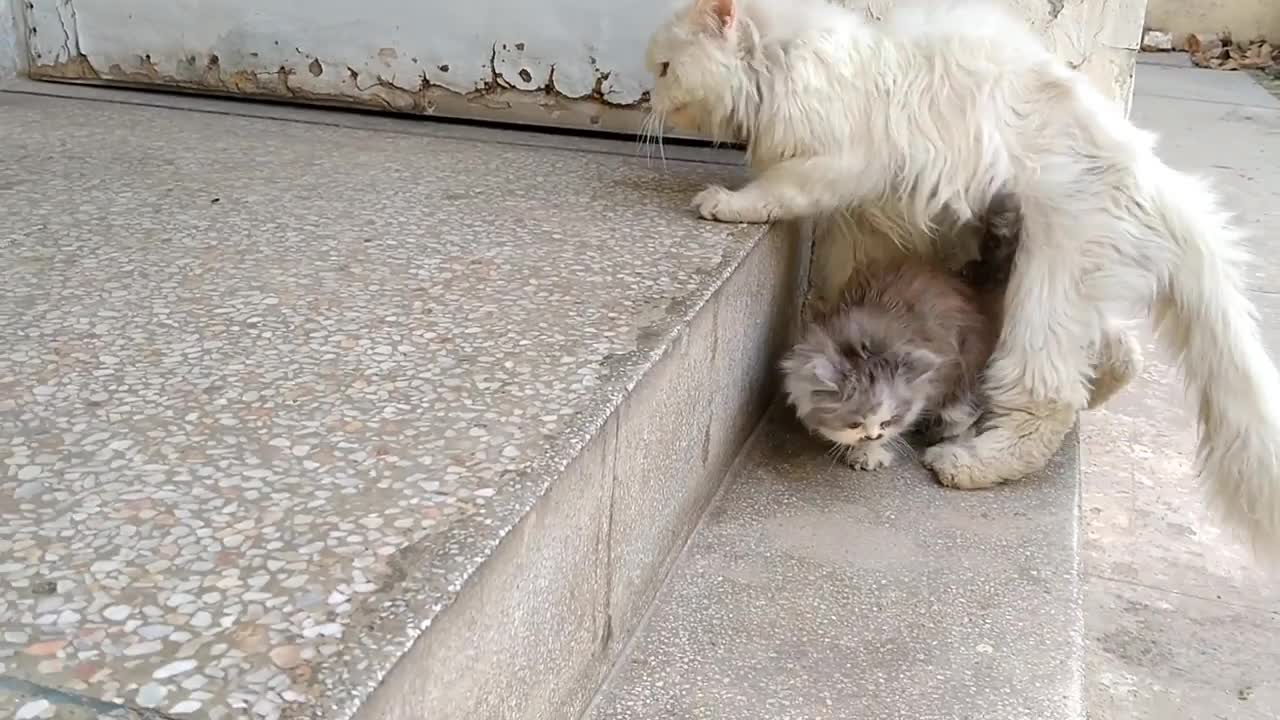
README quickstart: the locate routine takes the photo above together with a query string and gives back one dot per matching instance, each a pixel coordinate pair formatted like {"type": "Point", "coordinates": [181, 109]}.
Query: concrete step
{"type": "Point", "coordinates": [815, 591]}
{"type": "Point", "coordinates": [315, 414]}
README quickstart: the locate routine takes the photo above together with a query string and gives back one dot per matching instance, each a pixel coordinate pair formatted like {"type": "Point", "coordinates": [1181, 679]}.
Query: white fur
{"type": "Point", "coordinates": [922, 116]}
{"type": "Point", "coordinates": [847, 436]}
{"type": "Point", "coordinates": [870, 455]}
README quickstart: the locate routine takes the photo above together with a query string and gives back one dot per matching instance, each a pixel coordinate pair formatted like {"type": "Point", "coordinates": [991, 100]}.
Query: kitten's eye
{"type": "Point", "coordinates": [662, 69]}
{"type": "Point", "coordinates": [886, 424]}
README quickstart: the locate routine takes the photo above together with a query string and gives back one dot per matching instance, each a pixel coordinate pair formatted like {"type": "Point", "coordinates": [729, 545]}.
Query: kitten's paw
{"type": "Point", "coordinates": [871, 457]}
{"type": "Point", "coordinates": [957, 466]}
{"type": "Point", "coordinates": [725, 205]}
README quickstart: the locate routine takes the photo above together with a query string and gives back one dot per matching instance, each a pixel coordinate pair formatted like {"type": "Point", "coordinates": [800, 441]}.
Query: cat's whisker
{"type": "Point", "coordinates": [651, 139]}
{"type": "Point", "coordinates": [646, 135]}
{"type": "Point", "coordinates": [840, 455]}
{"type": "Point", "coordinates": [643, 134]}
{"type": "Point", "coordinates": [661, 128]}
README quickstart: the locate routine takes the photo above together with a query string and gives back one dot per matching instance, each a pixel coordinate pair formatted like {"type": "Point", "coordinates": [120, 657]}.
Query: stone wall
{"type": "Point", "coordinates": [1101, 37]}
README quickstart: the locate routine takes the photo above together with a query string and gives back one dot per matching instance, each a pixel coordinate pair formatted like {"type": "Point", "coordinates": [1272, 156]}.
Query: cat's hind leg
{"type": "Point", "coordinates": [1118, 362]}
{"type": "Point", "coordinates": [1038, 376]}
{"type": "Point", "coordinates": [1014, 443]}
{"type": "Point", "coordinates": [1018, 439]}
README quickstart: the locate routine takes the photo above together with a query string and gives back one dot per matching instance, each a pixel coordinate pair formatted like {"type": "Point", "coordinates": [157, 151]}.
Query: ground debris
{"type": "Point", "coordinates": [1157, 41]}
{"type": "Point", "coordinates": [1221, 52]}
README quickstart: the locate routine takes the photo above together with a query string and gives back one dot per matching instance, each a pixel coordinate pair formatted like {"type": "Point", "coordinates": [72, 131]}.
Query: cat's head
{"type": "Point", "coordinates": [698, 66]}
{"type": "Point", "coordinates": [859, 388]}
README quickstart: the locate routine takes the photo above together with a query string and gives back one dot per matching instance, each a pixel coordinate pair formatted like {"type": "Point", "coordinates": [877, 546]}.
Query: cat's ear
{"type": "Point", "coordinates": [719, 15]}
{"type": "Point", "coordinates": [826, 372]}
{"type": "Point", "coordinates": [813, 365]}
{"type": "Point", "coordinates": [918, 365]}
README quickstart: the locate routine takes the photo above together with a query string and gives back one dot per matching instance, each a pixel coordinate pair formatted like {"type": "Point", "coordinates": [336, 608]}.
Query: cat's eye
{"type": "Point", "coordinates": [887, 423]}
{"type": "Point", "coordinates": [663, 68]}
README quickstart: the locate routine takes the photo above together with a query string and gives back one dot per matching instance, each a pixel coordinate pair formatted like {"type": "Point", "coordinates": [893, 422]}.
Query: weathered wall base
{"type": "Point", "coordinates": [506, 104]}
{"type": "Point", "coordinates": [13, 48]}
{"type": "Point", "coordinates": [566, 63]}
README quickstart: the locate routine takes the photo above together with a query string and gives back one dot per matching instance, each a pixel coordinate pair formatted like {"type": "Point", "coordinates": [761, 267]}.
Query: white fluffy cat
{"type": "Point", "coordinates": [931, 110]}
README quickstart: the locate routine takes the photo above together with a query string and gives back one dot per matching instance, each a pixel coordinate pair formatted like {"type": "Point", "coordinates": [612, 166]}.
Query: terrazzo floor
{"type": "Point", "coordinates": [270, 390]}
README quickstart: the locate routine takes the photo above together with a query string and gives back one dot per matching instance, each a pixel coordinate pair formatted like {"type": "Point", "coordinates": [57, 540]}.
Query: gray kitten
{"type": "Point", "coordinates": [906, 345]}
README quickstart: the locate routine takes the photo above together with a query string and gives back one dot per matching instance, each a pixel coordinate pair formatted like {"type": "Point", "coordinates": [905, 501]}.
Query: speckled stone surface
{"type": "Point", "coordinates": [271, 391]}
{"type": "Point", "coordinates": [816, 591]}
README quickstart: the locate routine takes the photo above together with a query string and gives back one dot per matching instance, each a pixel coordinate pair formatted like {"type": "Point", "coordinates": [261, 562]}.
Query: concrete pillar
{"type": "Point", "coordinates": [1100, 37]}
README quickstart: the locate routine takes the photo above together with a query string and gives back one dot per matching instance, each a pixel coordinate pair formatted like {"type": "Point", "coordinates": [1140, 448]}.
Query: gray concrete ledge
{"type": "Point", "coordinates": [815, 591]}
{"type": "Point", "coordinates": [569, 585]}
{"type": "Point", "coordinates": [307, 418]}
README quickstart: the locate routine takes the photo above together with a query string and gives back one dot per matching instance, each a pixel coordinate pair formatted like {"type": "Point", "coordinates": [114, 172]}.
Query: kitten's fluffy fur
{"type": "Point", "coordinates": [923, 116]}
{"type": "Point", "coordinates": [905, 345]}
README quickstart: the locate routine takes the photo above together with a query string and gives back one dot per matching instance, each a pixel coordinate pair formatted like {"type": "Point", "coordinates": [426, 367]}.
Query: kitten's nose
{"type": "Point", "coordinates": [875, 436]}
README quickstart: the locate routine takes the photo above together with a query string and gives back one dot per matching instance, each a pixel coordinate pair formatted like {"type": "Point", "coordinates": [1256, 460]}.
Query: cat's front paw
{"type": "Point", "coordinates": [725, 205]}
{"type": "Point", "coordinates": [869, 457]}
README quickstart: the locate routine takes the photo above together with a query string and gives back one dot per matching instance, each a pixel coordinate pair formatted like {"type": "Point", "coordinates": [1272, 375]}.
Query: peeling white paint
{"type": "Point", "coordinates": [563, 62]}
{"type": "Point", "coordinates": [578, 46]}
{"type": "Point", "coordinates": [12, 47]}
{"type": "Point", "coordinates": [50, 26]}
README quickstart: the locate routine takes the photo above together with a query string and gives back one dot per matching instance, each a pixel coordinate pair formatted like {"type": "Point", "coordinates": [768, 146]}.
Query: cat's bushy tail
{"type": "Point", "coordinates": [1203, 315]}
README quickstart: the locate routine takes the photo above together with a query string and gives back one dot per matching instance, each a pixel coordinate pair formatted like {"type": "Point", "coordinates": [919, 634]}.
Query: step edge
{"type": "Point", "coordinates": [788, 250]}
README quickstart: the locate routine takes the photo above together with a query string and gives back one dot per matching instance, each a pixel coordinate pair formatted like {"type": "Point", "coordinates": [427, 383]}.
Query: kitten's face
{"type": "Point", "coordinates": [856, 393]}
{"type": "Point", "coordinates": [891, 416]}
{"type": "Point", "coordinates": [690, 57]}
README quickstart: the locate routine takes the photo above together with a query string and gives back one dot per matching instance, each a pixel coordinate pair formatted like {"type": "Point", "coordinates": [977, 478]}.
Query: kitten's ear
{"type": "Point", "coordinates": [826, 372]}
{"type": "Point", "coordinates": [809, 363]}
{"type": "Point", "coordinates": [919, 364]}
{"type": "Point", "coordinates": [719, 15]}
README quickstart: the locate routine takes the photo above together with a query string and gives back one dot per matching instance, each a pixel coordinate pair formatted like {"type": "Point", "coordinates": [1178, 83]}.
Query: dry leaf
{"type": "Point", "coordinates": [1219, 53]}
